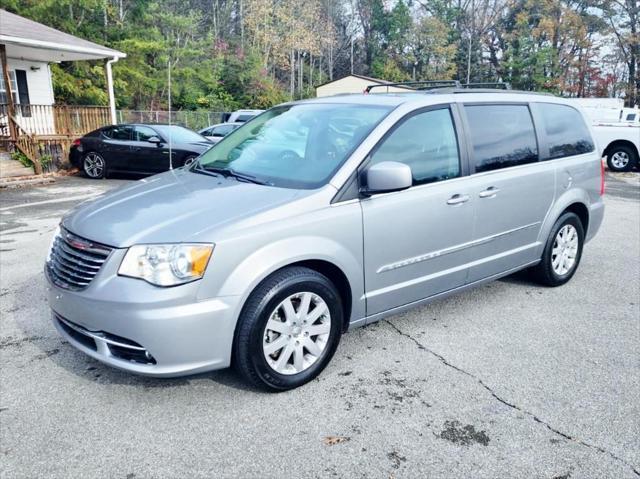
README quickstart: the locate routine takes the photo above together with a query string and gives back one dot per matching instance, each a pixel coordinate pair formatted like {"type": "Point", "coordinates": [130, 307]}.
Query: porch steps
{"type": "Point", "coordinates": [10, 168]}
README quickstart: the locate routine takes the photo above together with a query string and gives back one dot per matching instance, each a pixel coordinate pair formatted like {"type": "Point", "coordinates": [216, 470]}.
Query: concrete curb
{"type": "Point", "coordinates": [30, 180]}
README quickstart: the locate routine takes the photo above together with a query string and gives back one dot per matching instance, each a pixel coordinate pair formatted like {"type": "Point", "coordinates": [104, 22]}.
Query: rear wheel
{"type": "Point", "coordinates": [621, 158]}
{"type": "Point", "coordinates": [562, 251]}
{"type": "Point", "coordinates": [94, 166]}
{"type": "Point", "coordinates": [288, 330]}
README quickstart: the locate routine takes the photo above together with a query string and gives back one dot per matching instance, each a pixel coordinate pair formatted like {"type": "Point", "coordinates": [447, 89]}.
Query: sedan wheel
{"type": "Point", "coordinates": [94, 165]}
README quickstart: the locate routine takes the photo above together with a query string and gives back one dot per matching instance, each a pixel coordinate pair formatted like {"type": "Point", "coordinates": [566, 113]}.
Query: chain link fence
{"type": "Point", "coordinates": [194, 120]}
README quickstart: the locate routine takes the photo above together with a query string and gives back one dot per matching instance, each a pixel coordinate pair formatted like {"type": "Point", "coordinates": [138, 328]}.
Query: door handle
{"type": "Point", "coordinates": [457, 199]}
{"type": "Point", "coordinates": [489, 192]}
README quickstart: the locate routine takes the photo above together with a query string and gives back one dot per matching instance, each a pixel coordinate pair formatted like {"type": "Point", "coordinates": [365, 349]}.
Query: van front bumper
{"type": "Point", "coordinates": [173, 336]}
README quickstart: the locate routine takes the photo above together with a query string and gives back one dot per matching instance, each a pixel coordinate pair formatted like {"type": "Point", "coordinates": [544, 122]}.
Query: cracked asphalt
{"type": "Point", "coordinates": [507, 380]}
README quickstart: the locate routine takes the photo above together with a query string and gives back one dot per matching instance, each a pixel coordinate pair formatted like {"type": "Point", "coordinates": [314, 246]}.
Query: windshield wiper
{"type": "Point", "coordinates": [228, 172]}
{"type": "Point", "coordinates": [198, 168]}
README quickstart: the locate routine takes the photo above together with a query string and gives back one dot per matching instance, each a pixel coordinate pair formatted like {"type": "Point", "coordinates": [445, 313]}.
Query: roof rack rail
{"type": "Point", "coordinates": [496, 84]}
{"type": "Point", "coordinates": [416, 85]}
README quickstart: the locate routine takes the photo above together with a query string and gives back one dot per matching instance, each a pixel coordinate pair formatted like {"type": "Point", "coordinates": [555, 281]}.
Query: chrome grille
{"type": "Point", "coordinates": [73, 261]}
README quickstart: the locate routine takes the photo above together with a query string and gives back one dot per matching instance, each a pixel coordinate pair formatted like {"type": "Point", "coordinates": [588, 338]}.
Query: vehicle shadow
{"type": "Point", "coordinates": [522, 278]}
{"type": "Point", "coordinates": [90, 369]}
{"type": "Point", "coordinates": [57, 350]}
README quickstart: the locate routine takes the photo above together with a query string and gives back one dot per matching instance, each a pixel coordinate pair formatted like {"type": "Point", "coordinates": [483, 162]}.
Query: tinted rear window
{"type": "Point", "coordinates": [567, 133]}
{"type": "Point", "coordinates": [502, 136]}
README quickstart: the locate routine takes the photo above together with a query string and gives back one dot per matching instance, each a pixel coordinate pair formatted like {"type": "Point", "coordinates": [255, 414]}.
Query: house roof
{"type": "Point", "coordinates": [376, 81]}
{"type": "Point", "coordinates": [29, 40]}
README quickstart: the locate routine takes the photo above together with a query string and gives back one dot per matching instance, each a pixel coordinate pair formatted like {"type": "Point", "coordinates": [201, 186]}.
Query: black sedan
{"type": "Point", "coordinates": [136, 148]}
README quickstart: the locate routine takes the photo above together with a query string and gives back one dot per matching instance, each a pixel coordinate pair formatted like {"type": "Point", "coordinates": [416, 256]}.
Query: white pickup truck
{"type": "Point", "coordinates": [616, 130]}
{"type": "Point", "coordinates": [620, 143]}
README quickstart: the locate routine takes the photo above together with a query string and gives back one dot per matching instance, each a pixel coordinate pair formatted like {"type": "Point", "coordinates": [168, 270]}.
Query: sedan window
{"type": "Point", "coordinates": [143, 133]}
{"type": "Point", "coordinates": [120, 132]}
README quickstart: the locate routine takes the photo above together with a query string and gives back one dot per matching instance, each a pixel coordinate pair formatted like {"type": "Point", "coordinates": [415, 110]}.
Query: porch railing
{"type": "Point", "coordinates": [56, 120]}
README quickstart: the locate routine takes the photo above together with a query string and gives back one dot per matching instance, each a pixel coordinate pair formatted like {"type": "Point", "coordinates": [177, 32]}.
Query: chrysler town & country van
{"type": "Point", "coordinates": [320, 216]}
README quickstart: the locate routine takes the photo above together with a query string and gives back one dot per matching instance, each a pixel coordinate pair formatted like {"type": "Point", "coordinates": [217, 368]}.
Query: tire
{"type": "Point", "coordinates": [264, 309]}
{"type": "Point", "coordinates": [552, 269]}
{"type": "Point", "coordinates": [94, 165]}
{"type": "Point", "coordinates": [621, 158]}
{"type": "Point", "coordinates": [188, 160]}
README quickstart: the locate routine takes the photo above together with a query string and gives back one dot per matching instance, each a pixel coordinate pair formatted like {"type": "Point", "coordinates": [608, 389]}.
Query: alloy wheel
{"type": "Point", "coordinates": [296, 333]}
{"type": "Point", "coordinates": [94, 165]}
{"type": "Point", "coordinates": [620, 160]}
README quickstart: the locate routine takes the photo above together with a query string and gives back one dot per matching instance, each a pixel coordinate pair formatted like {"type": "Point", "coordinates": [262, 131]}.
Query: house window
{"type": "Point", "coordinates": [14, 88]}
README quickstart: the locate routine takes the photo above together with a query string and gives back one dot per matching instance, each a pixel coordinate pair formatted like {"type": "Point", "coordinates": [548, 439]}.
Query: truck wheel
{"type": "Point", "coordinates": [621, 158]}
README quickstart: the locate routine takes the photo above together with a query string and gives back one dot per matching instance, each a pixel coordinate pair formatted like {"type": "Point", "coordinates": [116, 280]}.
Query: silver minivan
{"type": "Point", "coordinates": [320, 216]}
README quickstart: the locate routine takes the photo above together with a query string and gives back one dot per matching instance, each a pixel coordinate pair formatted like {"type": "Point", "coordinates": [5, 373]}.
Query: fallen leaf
{"type": "Point", "coordinates": [333, 440]}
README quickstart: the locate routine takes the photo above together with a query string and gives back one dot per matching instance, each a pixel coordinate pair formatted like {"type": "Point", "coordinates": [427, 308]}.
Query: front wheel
{"type": "Point", "coordinates": [289, 329]}
{"type": "Point", "coordinates": [621, 158]}
{"type": "Point", "coordinates": [562, 251]}
{"type": "Point", "coordinates": [94, 166]}
{"type": "Point", "coordinates": [188, 161]}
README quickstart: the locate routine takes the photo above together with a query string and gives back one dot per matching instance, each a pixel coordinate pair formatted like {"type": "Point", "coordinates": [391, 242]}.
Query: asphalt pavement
{"type": "Point", "coordinates": [507, 380]}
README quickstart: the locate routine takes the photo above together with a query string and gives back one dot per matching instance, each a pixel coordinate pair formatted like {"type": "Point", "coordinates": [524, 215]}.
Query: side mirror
{"type": "Point", "coordinates": [154, 139]}
{"type": "Point", "coordinates": [387, 176]}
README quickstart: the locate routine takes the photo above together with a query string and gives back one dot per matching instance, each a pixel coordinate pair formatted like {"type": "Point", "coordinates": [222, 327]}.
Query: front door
{"type": "Point", "coordinates": [148, 157]}
{"type": "Point", "coordinates": [512, 190]}
{"type": "Point", "coordinates": [415, 240]}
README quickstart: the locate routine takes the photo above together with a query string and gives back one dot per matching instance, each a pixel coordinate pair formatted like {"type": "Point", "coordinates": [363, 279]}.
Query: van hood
{"type": "Point", "coordinates": [175, 206]}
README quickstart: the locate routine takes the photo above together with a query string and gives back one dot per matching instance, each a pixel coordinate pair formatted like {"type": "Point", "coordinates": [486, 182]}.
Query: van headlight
{"type": "Point", "coordinates": [166, 264]}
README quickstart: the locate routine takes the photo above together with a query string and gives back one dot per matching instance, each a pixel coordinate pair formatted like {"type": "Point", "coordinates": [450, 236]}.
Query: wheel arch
{"type": "Point", "coordinates": [576, 201]}
{"type": "Point", "coordinates": [626, 143]}
{"type": "Point", "coordinates": [323, 255]}
{"type": "Point", "coordinates": [338, 278]}
{"type": "Point", "coordinates": [581, 210]}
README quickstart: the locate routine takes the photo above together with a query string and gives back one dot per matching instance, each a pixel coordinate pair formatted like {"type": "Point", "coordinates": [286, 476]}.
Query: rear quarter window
{"type": "Point", "coordinates": [565, 130]}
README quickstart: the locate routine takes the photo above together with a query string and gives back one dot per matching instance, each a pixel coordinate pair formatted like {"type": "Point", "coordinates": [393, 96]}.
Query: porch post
{"type": "Point", "coordinates": [112, 100]}
{"type": "Point", "coordinates": [7, 83]}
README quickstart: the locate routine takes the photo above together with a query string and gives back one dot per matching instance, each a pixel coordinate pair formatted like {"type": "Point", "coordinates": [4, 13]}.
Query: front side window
{"type": "Point", "coordinates": [143, 133]}
{"type": "Point", "coordinates": [294, 146]}
{"type": "Point", "coordinates": [567, 133]}
{"type": "Point", "coordinates": [222, 130]}
{"type": "Point", "coordinates": [175, 133]}
{"type": "Point", "coordinates": [427, 143]}
{"type": "Point", "coordinates": [502, 136]}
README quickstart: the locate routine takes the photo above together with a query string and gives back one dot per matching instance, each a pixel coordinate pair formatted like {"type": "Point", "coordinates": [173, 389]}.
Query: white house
{"type": "Point", "coordinates": [29, 116]}
{"type": "Point", "coordinates": [356, 84]}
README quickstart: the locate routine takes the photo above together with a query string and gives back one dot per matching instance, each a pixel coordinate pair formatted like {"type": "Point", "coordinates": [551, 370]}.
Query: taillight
{"type": "Point", "coordinates": [602, 185]}
{"type": "Point", "coordinates": [76, 142]}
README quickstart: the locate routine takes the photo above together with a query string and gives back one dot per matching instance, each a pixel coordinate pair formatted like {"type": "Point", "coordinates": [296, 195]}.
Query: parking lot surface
{"type": "Point", "coordinates": [507, 380]}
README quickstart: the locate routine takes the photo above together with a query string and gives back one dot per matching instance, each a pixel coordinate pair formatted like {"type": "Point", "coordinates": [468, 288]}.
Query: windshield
{"type": "Point", "coordinates": [294, 146]}
{"type": "Point", "coordinates": [178, 134]}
